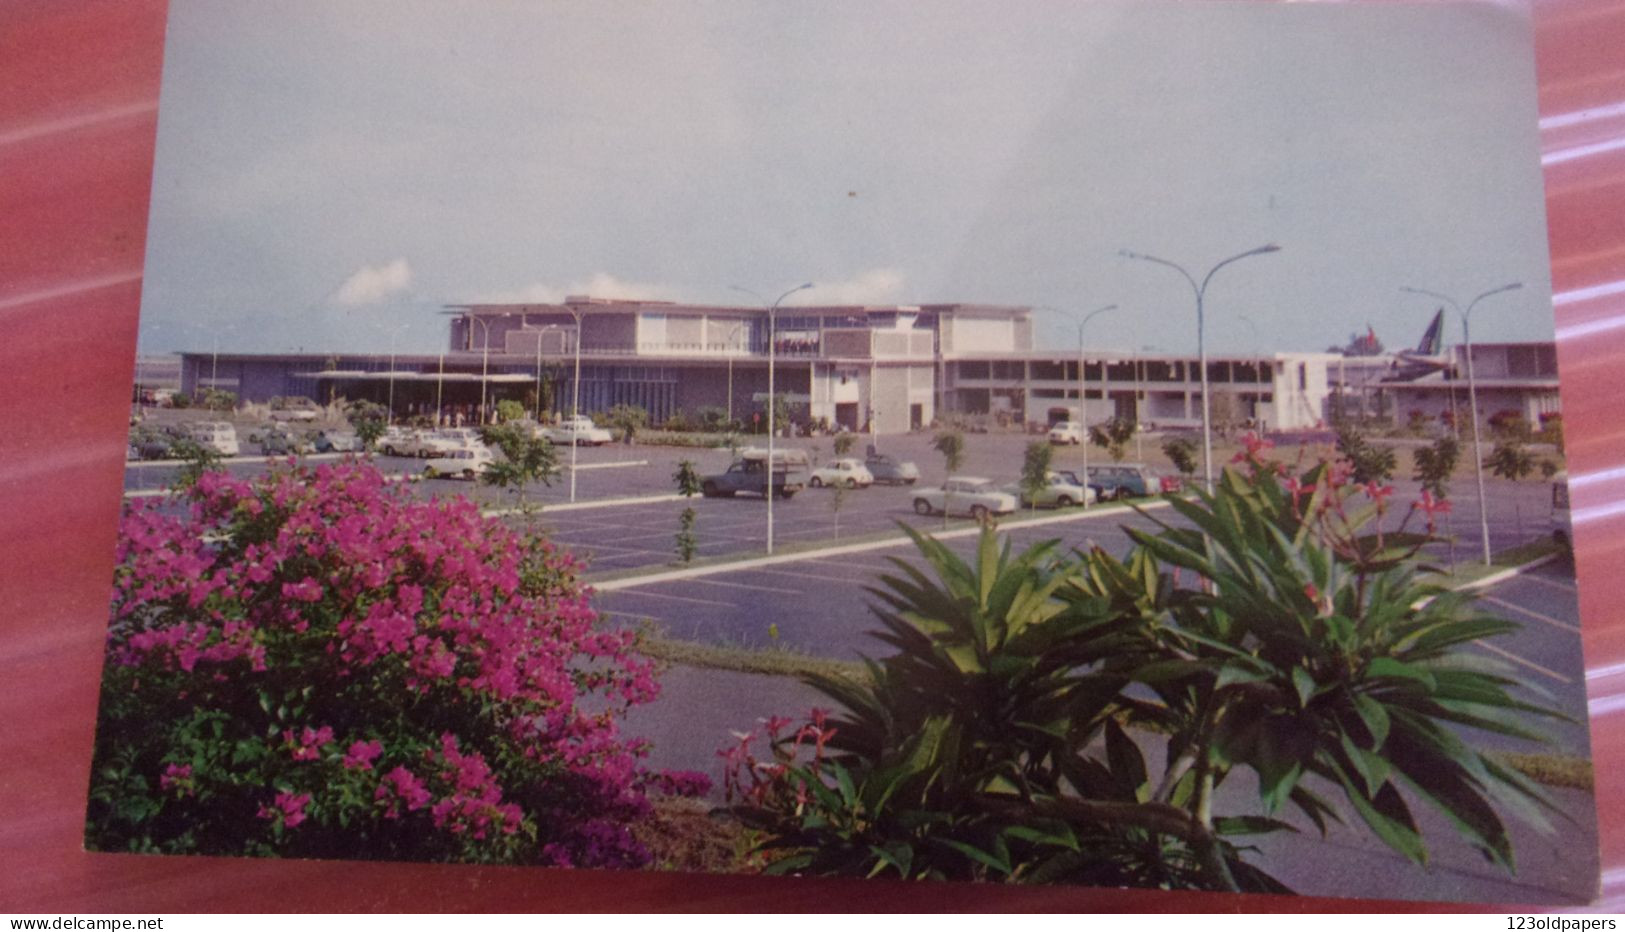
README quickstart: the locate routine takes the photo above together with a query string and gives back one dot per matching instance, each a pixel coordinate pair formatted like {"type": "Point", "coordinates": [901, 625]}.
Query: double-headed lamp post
{"type": "Point", "coordinates": [575, 401]}
{"type": "Point", "coordinates": [772, 409]}
{"type": "Point", "coordinates": [1083, 395]}
{"type": "Point", "coordinates": [1472, 397]}
{"type": "Point", "coordinates": [1201, 339]}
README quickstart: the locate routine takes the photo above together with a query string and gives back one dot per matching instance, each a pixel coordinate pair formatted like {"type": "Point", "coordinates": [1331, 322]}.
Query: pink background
{"type": "Point", "coordinates": [77, 120]}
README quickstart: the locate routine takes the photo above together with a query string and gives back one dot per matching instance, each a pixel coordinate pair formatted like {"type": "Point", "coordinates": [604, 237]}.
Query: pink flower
{"type": "Point", "coordinates": [288, 808]}
{"type": "Point", "coordinates": [362, 754]}
{"type": "Point", "coordinates": [179, 778]}
{"type": "Point", "coordinates": [305, 590]}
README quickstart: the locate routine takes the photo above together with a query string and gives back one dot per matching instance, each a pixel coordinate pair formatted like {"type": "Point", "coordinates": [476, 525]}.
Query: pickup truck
{"type": "Point", "coordinates": [749, 474]}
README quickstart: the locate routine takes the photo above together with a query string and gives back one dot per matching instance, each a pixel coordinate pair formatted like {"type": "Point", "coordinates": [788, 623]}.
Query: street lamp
{"type": "Point", "coordinates": [575, 401]}
{"type": "Point", "coordinates": [1083, 398]}
{"type": "Point", "coordinates": [772, 409]}
{"type": "Point", "coordinates": [394, 333]}
{"type": "Point", "coordinates": [1472, 397]}
{"type": "Point", "coordinates": [539, 368]}
{"type": "Point", "coordinates": [1201, 339]}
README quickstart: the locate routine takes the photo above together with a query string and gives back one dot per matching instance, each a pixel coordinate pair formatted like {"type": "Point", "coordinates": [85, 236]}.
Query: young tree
{"type": "Point", "coordinates": [1510, 459]}
{"type": "Point", "coordinates": [1368, 462]}
{"type": "Point", "coordinates": [1113, 436]}
{"type": "Point", "coordinates": [688, 486]}
{"type": "Point", "coordinates": [526, 458]}
{"type": "Point", "coordinates": [842, 442]}
{"type": "Point", "coordinates": [1181, 451]}
{"type": "Point", "coordinates": [1035, 464]}
{"type": "Point", "coordinates": [629, 418]}
{"type": "Point", "coordinates": [951, 444]}
{"type": "Point", "coordinates": [197, 460]}
{"type": "Point", "coordinates": [1436, 464]}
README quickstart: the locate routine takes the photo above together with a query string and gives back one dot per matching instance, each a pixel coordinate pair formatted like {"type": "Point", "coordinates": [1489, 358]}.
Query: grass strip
{"type": "Point", "coordinates": [1560, 771]}
{"type": "Point", "coordinates": [773, 661]}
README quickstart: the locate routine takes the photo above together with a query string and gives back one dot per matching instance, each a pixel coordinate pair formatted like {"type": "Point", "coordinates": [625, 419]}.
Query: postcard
{"type": "Point", "coordinates": [1106, 444]}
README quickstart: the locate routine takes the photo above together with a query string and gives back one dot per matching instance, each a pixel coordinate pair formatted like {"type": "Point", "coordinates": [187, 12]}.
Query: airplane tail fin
{"type": "Point", "coordinates": [1431, 344]}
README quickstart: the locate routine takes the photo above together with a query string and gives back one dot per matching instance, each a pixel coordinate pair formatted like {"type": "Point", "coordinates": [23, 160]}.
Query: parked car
{"type": "Point", "coordinates": [462, 436]}
{"type": "Point", "coordinates": [848, 473]}
{"type": "Point", "coordinates": [295, 409]}
{"type": "Point", "coordinates": [965, 495]}
{"type": "Point", "coordinates": [218, 436]}
{"type": "Point", "coordinates": [1060, 490]}
{"type": "Point", "coordinates": [889, 469]}
{"type": "Point", "coordinates": [283, 443]}
{"type": "Point", "coordinates": [465, 462]}
{"type": "Point", "coordinates": [419, 443]}
{"type": "Point", "coordinates": [1124, 480]}
{"type": "Point", "coordinates": [1067, 432]}
{"type": "Point", "coordinates": [154, 444]}
{"type": "Point", "coordinates": [749, 474]}
{"type": "Point", "coordinates": [336, 441]}
{"type": "Point", "coordinates": [577, 430]}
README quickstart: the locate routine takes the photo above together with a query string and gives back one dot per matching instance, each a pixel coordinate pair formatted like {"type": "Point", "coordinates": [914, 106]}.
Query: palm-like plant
{"type": "Point", "coordinates": [1002, 740]}
{"type": "Point", "coordinates": [1315, 649]}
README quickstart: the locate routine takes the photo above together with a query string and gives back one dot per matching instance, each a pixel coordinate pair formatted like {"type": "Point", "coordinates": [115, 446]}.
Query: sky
{"type": "Point", "coordinates": [330, 175]}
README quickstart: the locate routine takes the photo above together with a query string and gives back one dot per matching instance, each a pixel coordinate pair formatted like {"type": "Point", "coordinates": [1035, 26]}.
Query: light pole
{"type": "Point", "coordinates": [1201, 339]}
{"type": "Point", "coordinates": [575, 401]}
{"type": "Point", "coordinates": [1472, 398]}
{"type": "Point", "coordinates": [772, 408]}
{"type": "Point", "coordinates": [394, 333]}
{"type": "Point", "coordinates": [1083, 399]}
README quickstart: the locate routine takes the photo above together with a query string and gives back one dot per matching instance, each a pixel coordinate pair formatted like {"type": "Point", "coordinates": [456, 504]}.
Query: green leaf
{"type": "Point", "coordinates": [1304, 682]}
{"type": "Point", "coordinates": [1126, 763]}
{"type": "Point", "coordinates": [1250, 825]}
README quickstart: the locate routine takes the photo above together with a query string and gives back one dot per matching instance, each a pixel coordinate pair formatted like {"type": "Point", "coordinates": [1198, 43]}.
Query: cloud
{"type": "Point", "coordinates": [600, 285]}
{"type": "Point", "coordinates": [876, 286]}
{"type": "Point", "coordinates": [373, 283]}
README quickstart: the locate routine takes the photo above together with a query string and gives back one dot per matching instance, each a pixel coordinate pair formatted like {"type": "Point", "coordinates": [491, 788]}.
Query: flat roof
{"type": "Point", "coordinates": [589, 305]}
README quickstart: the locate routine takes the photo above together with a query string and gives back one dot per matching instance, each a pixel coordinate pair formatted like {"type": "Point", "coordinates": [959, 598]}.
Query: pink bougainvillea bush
{"type": "Point", "coordinates": [315, 664]}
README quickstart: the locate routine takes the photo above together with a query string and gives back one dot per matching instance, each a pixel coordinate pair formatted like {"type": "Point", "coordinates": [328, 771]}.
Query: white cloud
{"type": "Point", "coordinates": [600, 285]}
{"type": "Point", "coordinates": [876, 286]}
{"type": "Point", "coordinates": [373, 283]}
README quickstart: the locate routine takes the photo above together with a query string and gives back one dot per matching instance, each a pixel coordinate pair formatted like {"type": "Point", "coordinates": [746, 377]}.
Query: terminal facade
{"type": "Point", "coordinates": [889, 369]}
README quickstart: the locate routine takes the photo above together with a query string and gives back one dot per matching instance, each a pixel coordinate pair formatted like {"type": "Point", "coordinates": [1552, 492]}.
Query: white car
{"type": "Point", "coordinates": [296, 409]}
{"type": "Point", "coordinates": [577, 430]}
{"type": "Point", "coordinates": [1060, 490]}
{"type": "Point", "coordinates": [965, 495]}
{"type": "Point", "coordinates": [419, 443]}
{"type": "Point", "coordinates": [847, 473]}
{"type": "Point", "coordinates": [465, 463]}
{"type": "Point", "coordinates": [218, 436]}
{"type": "Point", "coordinates": [462, 436]}
{"type": "Point", "coordinates": [1067, 432]}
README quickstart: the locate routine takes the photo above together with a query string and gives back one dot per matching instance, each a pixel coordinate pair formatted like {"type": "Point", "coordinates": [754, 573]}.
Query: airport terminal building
{"type": "Point", "coordinates": [891, 368]}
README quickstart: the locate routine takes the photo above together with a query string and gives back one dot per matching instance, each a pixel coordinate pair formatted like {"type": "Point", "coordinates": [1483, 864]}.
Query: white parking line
{"type": "Point", "coordinates": [1526, 663]}
{"type": "Point", "coordinates": [1566, 586]}
{"type": "Point", "coordinates": [582, 467]}
{"type": "Point", "coordinates": [1566, 626]}
{"type": "Point", "coordinates": [582, 506]}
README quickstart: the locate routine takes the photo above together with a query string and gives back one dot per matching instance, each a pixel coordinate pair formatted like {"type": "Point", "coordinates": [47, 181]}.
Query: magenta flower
{"type": "Point", "coordinates": [362, 754]}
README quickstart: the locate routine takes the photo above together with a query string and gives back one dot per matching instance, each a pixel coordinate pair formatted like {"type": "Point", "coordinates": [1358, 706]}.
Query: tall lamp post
{"type": "Point", "coordinates": [394, 333]}
{"type": "Point", "coordinates": [1083, 397]}
{"type": "Point", "coordinates": [1201, 339]}
{"type": "Point", "coordinates": [575, 401]}
{"type": "Point", "coordinates": [772, 409]}
{"type": "Point", "coordinates": [1472, 397]}
{"type": "Point", "coordinates": [485, 360]}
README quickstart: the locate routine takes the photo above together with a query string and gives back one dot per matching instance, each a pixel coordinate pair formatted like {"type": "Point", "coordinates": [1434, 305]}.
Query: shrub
{"type": "Point", "coordinates": [369, 419]}
{"type": "Point", "coordinates": [1367, 461]}
{"type": "Point", "coordinates": [1181, 451]}
{"type": "Point", "coordinates": [214, 399]}
{"type": "Point", "coordinates": [993, 744]}
{"type": "Point", "coordinates": [314, 664]}
{"type": "Point", "coordinates": [510, 410]}
{"type": "Point", "coordinates": [1510, 459]}
{"type": "Point", "coordinates": [526, 457]}
{"type": "Point", "coordinates": [1436, 464]}
{"type": "Point", "coordinates": [1508, 424]}
{"type": "Point", "coordinates": [628, 419]}
{"type": "Point", "coordinates": [1035, 463]}
{"type": "Point", "coordinates": [688, 486]}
